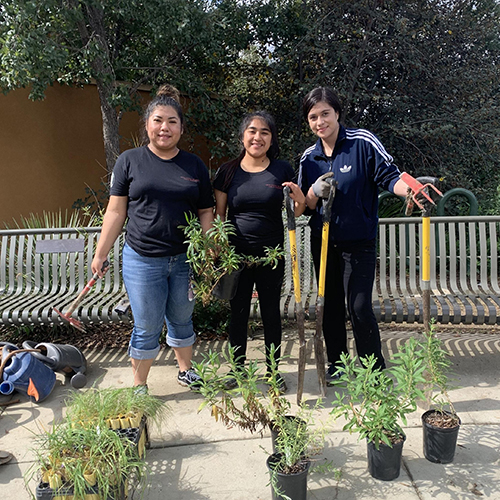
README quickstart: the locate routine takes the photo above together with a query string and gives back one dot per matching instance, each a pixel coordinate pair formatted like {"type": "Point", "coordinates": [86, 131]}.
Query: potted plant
{"type": "Point", "coordinates": [246, 405]}
{"type": "Point", "coordinates": [243, 403]}
{"type": "Point", "coordinates": [441, 423]}
{"type": "Point", "coordinates": [94, 406]}
{"type": "Point", "coordinates": [297, 440]}
{"type": "Point", "coordinates": [101, 442]}
{"type": "Point", "coordinates": [376, 402]}
{"type": "Point", "coordinates": [85, 462]}
{"type": "Point", "coordinates": [214, 262]}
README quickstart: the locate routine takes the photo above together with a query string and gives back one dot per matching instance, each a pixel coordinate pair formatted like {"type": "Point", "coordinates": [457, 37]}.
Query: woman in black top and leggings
{"type": "Point", "coordinates": [250, 189]}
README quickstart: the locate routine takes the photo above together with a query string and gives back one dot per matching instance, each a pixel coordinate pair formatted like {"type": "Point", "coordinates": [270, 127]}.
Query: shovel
{"type": "Point", "coordinates": [290, 212]}
{"type": "Point", "coordinates": [67, 316]}
{"type": "Point", "coordinates": [320, 301]}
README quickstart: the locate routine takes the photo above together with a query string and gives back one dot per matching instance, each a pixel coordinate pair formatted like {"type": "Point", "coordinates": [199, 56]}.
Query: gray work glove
{"type": "Point", "coordinates": [321, 188]}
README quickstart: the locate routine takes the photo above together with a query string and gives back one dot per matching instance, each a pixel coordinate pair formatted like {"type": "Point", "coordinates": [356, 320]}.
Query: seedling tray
{"type": "Point", "coordinates": [45, 492]}
{"type": "Point", "coordinates": [138, 436]}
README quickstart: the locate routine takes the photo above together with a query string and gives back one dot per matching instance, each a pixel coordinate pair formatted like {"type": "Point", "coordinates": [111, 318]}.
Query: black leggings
{"type": "Point", "coordinates": [350, 272]}
{"type": "Point", "coordinates": [268, 282]}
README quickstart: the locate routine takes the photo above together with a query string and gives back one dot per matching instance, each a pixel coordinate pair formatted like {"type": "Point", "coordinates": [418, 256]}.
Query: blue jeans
{"type": "Point", "coordinates": [158, 289]}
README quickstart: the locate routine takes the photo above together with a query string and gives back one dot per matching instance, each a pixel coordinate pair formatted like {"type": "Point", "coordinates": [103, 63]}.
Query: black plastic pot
{"type": "Point", "coordinates": [228, 284]}
{"type": "Point", "coordinates": [385, 463]}
{"type": "Point", "coordinates": [291, 485]}
{"type": "Point", "coordinates": [439, 442]}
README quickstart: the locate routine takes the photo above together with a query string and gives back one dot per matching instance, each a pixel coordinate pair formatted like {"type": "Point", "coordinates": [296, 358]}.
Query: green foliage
{"type": "Point", "coordinates": [94, 203]}
{"type": "Point", "coordinates": [212, 317]}
{"type": "Point", "coordinates": [75, 218]}
{"type": "Point", "coordinates": [375, 401]}
{"type": "Point", "coordinates": [247, 405]}
{"type": "Point", "coordinates": [211, 255]}
{"type": "Point", "coordinates": [93, 407]}
{"type": "Point", "coordinates": [67, 455]}
{"type": "Point", "coordinates": [298, 438]}
{"type": "Point", "coordinates": [437, 362]}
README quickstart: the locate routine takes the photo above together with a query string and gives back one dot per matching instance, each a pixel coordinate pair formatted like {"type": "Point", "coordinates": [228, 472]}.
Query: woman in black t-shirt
{"type": "Point", "coordinates": [250, 189]}
{"type": "Point", "coordinates": [154, 186]}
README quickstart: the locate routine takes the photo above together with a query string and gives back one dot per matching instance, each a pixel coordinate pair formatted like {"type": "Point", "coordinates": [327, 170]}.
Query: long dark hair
{"type": "Point", "coordinates": [321, 94]}
{"type": "Point", "coordinates": [228, 169]}
{"type": "Point", "coordinates": [166, 95]}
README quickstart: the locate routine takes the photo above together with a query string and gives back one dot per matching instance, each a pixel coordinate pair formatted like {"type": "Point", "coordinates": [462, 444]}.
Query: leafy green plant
{"type": "Point", "coordinates": [298, 438]}
{"type": "Point", "coordinates": [246, 404]}
{"type": "Point", "coordinates": [77, 457]}
{"type": "Point", "coordinates": [212, 317]}
{"type": "Point", "coordinates": [375, 401]}
{"type": "Point", "coordinates": [437, 366]}
{"type": "Point", "coordinates": [211, 255]}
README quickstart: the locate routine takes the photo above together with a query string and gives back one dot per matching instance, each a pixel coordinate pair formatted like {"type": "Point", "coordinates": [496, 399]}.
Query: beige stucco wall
{"type": "Point", "coordinates": [52, 149]}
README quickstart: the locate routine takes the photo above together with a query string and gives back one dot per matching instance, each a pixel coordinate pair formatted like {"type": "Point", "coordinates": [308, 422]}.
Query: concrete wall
{"type": "Point", "coordinates": [52, 149]}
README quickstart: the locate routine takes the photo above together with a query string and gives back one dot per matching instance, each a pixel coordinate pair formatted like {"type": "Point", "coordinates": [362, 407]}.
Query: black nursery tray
{"type": "Point", "coordinates": [133, 434]}
{"type": "Point", "coordinates": [45, 492]}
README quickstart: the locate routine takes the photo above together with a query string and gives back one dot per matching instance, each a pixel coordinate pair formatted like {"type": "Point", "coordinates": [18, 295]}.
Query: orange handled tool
{"type": "Point", "coordinates": [67, 316]}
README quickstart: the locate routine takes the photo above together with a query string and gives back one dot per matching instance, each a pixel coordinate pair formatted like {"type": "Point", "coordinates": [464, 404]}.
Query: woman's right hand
{"type": "Point", "coordinates": [98, 267]}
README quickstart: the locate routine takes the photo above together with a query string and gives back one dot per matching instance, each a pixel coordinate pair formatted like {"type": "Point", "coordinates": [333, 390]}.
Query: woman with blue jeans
{"type": "Point", "coordinates": [154, 187]}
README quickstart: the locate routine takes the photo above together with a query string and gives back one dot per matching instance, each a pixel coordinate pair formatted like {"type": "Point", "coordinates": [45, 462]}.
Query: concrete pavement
{"type": "Point", "coordinates": [193, 457]}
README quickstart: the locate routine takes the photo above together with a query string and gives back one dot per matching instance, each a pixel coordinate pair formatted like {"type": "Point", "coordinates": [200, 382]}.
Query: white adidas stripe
{"type": "Point", "coordinates": [366, 135]}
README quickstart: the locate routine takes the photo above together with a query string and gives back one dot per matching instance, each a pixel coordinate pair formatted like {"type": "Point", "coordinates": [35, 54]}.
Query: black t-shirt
{"type": "Point", "coordinates": [160, 193]}
{"type": "Point", "coordinates": [254, 204]}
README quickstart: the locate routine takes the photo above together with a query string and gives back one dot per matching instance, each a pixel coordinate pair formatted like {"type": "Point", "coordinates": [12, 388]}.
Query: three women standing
{"type": "Point", "coordinates": [154, 186]}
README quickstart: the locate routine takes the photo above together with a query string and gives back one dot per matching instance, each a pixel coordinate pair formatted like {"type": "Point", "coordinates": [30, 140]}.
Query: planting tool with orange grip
{"type": "Point", "coordinates": [67, 316]}
{"type": "Point", "coordinates": [420, 195]}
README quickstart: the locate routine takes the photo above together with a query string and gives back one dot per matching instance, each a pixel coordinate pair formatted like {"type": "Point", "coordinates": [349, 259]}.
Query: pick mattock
{"type": "Point", "coordinates": [420, 196]}
{"type": "Point", "coordinates": [320, 301]}
{"type": "Point", "coordinates": [67, 316]}
{"type": "Point", "coordinates": [299, 310]}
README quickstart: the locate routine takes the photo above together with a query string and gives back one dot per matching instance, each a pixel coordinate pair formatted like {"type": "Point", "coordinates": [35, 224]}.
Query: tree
{"type": "Point", "coordinates": [424, 75]}
{"type": "Point", "coordinates": [121, 45]}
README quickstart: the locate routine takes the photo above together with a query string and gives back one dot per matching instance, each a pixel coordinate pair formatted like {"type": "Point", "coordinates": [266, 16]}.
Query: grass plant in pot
{"type": "Point", "coordinates": [214, 262]}
{"type": "Point", "coordinates": [84, 462]}
{"type": "Point", "coordinates": [441, 423]}
{"type": "Point", "coordinates": [249, 406]}
{"type": "Point", "coordinates": [297, 441]}
{"type": "Point", "coordinates": [98, 446]}
{"type": "Point", "coordinates": [376, 402]}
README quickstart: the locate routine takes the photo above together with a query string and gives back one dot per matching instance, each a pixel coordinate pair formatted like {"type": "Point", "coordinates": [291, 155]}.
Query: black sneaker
{"type": "Point", "coordinates": [230, 381]}
{"type": "Point", "coordinates": [189, 379]}
{"type": "Point", "coordinates": [332, 374]}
